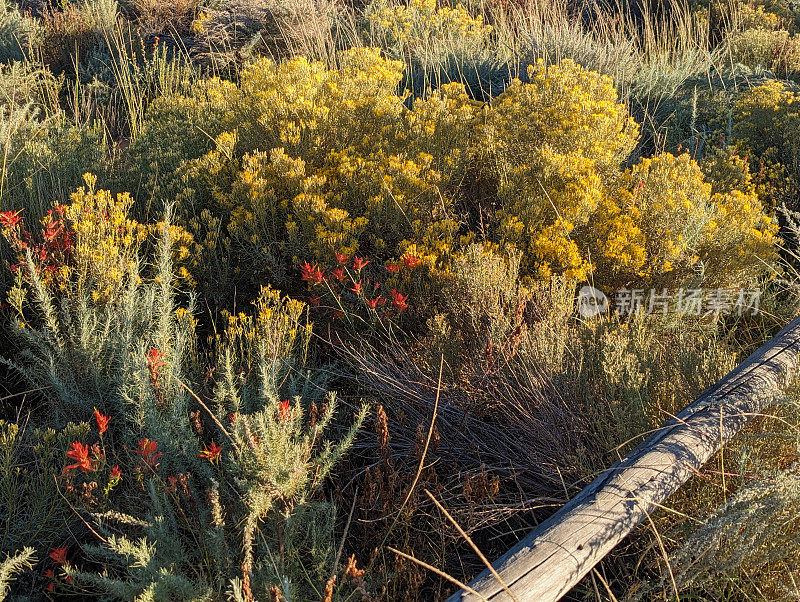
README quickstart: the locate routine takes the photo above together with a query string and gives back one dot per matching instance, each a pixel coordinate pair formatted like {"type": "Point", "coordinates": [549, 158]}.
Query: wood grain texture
{"type": "Point", "coordinates": [551, 559]}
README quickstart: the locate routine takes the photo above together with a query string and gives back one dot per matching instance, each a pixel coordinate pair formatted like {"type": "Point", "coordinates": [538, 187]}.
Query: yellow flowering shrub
{"type": "Point", "coordinates": [89, 245]}
{"type": "Point", "coordinates": [556, 144]}
{"type": "Point", "coordinates": [689, 228]}
{"type": "Point", "coordinates": [768, 116]}
{"type": "Point", "coordinates": [766, 127]}
{"type": "Point", "coordinates": [775, 50]}
{"type": "Point", "coordinates": [106, 240]}
{"type": "Point", "coordinates": [322, 160]}
{"type": "Point", "coordinates": [418, 26]}
{"type": "Point", "coordinates": [276, 329]}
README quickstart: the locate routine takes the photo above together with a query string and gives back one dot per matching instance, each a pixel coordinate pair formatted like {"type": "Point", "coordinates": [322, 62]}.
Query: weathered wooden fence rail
{"type": "Point", "coordinates": [551, 559]}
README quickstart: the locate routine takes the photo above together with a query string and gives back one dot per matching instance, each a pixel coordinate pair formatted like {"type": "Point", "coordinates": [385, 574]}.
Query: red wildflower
{"type": "Point", "coordinates": [232, 417]}
{"type": "Point", "coordinates": [283, 409]}
{"type": "Point", "coordinates": [314, 300]}
{"type": "Point", "coordinates": [210, 452]}
{"type": "Point", "coordinates": [311, 273]}
{"type": "Point", "coordinates": [359, 263]}
{"type": "Point", "coordinates": [48, 573]}
{"type": "Point", "coordinates": [410, 261]}
{"type": "Point", "coordinates": [341, 258]}
{"type": "Point", "coordinates": [51, 231]}
{"type": "Point", "coordinates": [154, 359]}
{"type": "Point", "coordinates": [9, 219]}
{"type": "Point", "coordinates": [102, 421]}
{"type": "Point", "coordinates": [338, 314]}
{"type": "Point", "coordinates": [399, 300]}
{"type": "Point", "coordinates": [357, 288]}
{"type": "Point", "coordinates": [116, 473]}
{"type": "Point", "coordinates": [639, 185]}
{"type": "Point", "coordinates": [393, 268]}
{"type": "Point", "coordinates": [373, 303]}
{"type": "Point", "coordinates": [59, 555]}
{"type": "Point", "coordinates": [338, 273]}
{"type": "Point", "coordinates": [147, 450]}
{"type": "Point", "coordinates": [80, 453]}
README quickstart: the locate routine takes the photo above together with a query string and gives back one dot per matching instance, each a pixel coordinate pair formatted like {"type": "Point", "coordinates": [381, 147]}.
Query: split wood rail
{"type": "Point", "coordinates": [556, 555]}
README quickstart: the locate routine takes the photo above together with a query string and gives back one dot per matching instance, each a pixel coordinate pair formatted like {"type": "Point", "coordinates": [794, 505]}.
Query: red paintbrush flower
{"type": "Point", "coordinates": [9, 219]}
{"type": "Point", "coordinates": [51, 231]}
{"type": "Point", "coordinates": [410, 261]}
{"type": "Point", "coordinates": [59, 555]}
{"type": "Point", "coordinates": [154, 360]}
{"type": "Point", "coordinates": [211, 452]}
{"type": "Point", "coordinates": [115, 473]}
{"type": "Point", "coordinates": [373, 303]}
{"type": "Point", "coordinates": [147, 450]}
{"type": "Point", "coordinates": [102, 421]}
{"type": "Point", "coordinates": [399, 300]}
{"type": "Point", "coordinates": [311, 273]}
{"type": "Point", "coordinates": [341, 258]}
{"type": "Point", "coordinates": [393, 268]}
{"type": "Point", "coordinates": [338, 273]}
{"type": "Point", "coordinates": [80, 453]}
{"type": "Point", "coordinates": [284, 408]}
{"type": "Point", "coordinates": [357, 288]}
{"type": "Point", "coordinates": [359, 264]}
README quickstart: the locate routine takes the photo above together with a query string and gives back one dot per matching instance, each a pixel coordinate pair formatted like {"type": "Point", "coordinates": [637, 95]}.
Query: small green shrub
{"type": "Point", "coordinates": [15, 564]}
{"type": "Point", "coordinates": [776, 51]}
{"type": "Point", "coordinates": [29, 493]}
{"type": "Point", "coordinates": [19, 34]}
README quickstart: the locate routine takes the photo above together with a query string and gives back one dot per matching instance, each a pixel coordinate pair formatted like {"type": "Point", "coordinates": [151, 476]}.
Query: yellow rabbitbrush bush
{"type": "Point", "coordinates": [687, 228]}
{"type": "Point", "coordinates": [420, 27]}
{"type": "Point", "coordinates": [325, 160]}
{"type": "Point", "coordinates": [557, 145]}
{"type": "Point", "coordinates": [310, 160]}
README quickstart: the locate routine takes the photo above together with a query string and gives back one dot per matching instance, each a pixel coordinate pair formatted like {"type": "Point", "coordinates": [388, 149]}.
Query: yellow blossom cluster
{"type": "Point", "coordinates": [106, 240]}
{"type": "Point", "coordinates": [275, 329]}
{"type": "Point", "coordinates": [308, 160]}
{"type": "Point", "coordinates": [419, 24]}
{"type": "Point", "coordinates": [323, 160]}
{"type": "Point", "coordinates": [556, 144]}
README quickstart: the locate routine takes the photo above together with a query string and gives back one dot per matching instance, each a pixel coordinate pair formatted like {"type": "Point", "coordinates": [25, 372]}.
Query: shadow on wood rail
{"type": "Point", "coordinates": [551, 559]}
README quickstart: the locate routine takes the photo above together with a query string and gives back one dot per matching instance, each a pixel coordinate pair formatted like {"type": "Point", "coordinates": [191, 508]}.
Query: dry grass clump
{"type": "Point", "coordinates": [167, 15]}
{"type": "Point", "coordinates": [240, 30]}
